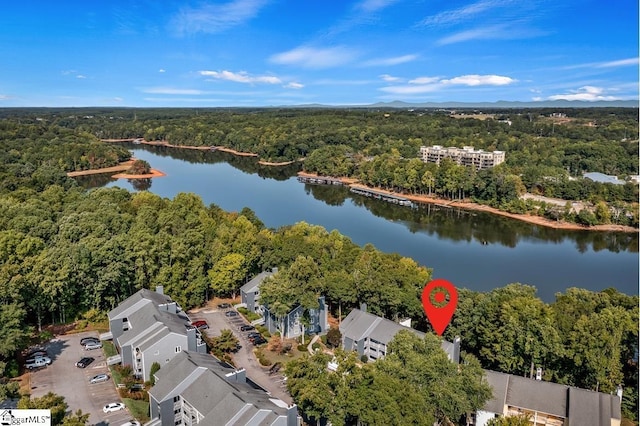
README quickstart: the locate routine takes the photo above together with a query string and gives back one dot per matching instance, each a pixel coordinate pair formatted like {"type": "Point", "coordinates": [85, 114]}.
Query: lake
{"type": "Point", "coordinates": [475, 250]}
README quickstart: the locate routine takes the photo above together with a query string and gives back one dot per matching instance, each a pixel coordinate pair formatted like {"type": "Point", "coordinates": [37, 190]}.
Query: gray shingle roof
{"type": "Point", "coordinates": [359, 325]}
{"type": "Point", "coordinates": [580, 407]}
{"type": "Point", "coordinates": [201, 381]}
{"type": "Point", "coordinates": [138, 299]}
{"type": "Point", "coordinates": [252, 286]}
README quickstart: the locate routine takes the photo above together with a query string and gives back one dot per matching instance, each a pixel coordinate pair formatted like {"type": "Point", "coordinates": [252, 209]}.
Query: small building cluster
{"type": "Point", "coordinates": [194, 387]}
{"type": "Point", "coordinates": [191, 386]}
{"type": "Point", "coordinates": [465, 156]}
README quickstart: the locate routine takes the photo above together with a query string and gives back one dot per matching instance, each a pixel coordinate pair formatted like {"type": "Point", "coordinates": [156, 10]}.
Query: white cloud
{"type": "Point", "coordinates": [432, 84]}
{"type": "Point", "coordinates": [373, 5]}
{"type": "Point", "coordinates": [607, 64]}
{"type": "Point", "coordinates": [391, 61]}
{"type": "Point", "coordinates": [4, 97]}
{"type": "Point", "coordinates": [311, 57]}
{"type": "Point", "coordinates": [215, 18]}
{"type": "Point", "coordinates": [389, 78]}
{"type": "Point", "coordinates": [511, 31]}
{"type": "Point", "coordinates": [585, 93]}
{"type": "Point", "coordinates": [424, 80]}
{"type": "Point", "coordinates": [619, 63]}
{"type": "Point", "coordinates": [480, 80]}
{"type": "Point", "coordinates": [461, 14]}
{"type": "Point", "coordinates": [172, 91]}
{"type": "Point", "coordinates": [294, 85]}
{"type": "Point", "coordinates": [241, 77]}
{"type": "Point", "coordinates": [118, 99]}
{"type": "Point", "coordinates": [161, 70]}
{"type": "Point", "coordinates": [80, 76]}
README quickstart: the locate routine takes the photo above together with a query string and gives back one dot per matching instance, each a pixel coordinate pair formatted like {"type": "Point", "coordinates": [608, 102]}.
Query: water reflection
{"type": "Point", "coordinates": [482, 227]}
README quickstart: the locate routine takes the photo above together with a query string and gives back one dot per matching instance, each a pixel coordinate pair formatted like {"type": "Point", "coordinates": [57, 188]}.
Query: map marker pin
{"type": "Point", "coordinates": [439, 299]}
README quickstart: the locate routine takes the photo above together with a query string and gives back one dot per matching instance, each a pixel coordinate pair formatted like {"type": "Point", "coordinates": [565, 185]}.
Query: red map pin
{"type": "Point", "coordinates": [439, 299]}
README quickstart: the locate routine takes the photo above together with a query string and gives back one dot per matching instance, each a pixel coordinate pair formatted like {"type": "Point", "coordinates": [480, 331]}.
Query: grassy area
{"type": "Point", "coordinates": [138, 408]}
{"type": "Point", "coordinates": [250, 316]}
{"type": "Point", "coordinates": [109, 349]}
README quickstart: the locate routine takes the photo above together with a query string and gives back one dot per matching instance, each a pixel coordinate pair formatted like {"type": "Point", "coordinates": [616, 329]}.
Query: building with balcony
{"type": "Point", "coordinates": [149, 327]}
{"type": "Point", "coordinates": [547, 403]}
{"type": "Point", "coordinates": [370, 335]}
{"type": "Point", "coordinates": [465, 156]}
{"type": "Point", "coordinates": [199, 389]}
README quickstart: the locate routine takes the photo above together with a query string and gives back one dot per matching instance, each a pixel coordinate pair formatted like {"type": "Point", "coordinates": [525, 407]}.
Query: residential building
{"type": "Point", "coordinates": [250, 292]}
{"type": "Point", "coordinates": [298, 321]}
{"type": "Point", "coordinates": [149, 327]}
{"type": "Point", "coordinates": [547, 403]}
{"type": "Point", "coordinates": [370, 335]}
{"type": "Point", "coordinates": [465, 156]}
{"type": "Point", "coordinates": [602, 178]}
{"type": "Point", "coordinates": [199, 389]}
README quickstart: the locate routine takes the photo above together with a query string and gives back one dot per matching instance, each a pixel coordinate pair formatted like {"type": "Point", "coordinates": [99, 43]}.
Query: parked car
{"type": "Point", "coordinates": [200, 324]}
{"type": "Point", "coordinates": [99, 378]}
{"type": "Point", "coordinates": [39, 353]}
{"type": "Point", "coordinates": [224, 306]}
{"type": "Point", "coordinates": [92, 345]}
{"type": "Point", "coordinates": [84, 362]}
{"type": "Point", "coordinates": [86, 340]}
{"type": "Point", "coordinates": [114, 406]}
{"type": "Point", "coordinates": [231, 313]}
{"type": "Point", "coordinates": [259, 341]}
{"type": "Point", "coordinates": [37, 363]}
{"type": "Point", "coordinates": [253, 335]}
{"type": "Point", "coordinates": [247, 327]}
{"type": "Point", "coordinates": [132, 422]}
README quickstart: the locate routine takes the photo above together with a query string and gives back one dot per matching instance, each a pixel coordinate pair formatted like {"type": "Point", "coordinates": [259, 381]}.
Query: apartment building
{"type": "Point", "coordinates": [200, 389]}
{"type": "Point", "coordinates": [465, 156]}
{"type": "Point", "coordinates": [149, 327]}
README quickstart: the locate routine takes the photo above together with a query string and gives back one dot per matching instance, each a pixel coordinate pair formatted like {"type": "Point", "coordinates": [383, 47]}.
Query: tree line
{"type": "Point", "coordinates": [65, 251]}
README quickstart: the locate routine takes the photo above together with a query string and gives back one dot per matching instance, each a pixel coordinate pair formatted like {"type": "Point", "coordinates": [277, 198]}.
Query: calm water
{"type": "Point", "coordinates": [474, 250]}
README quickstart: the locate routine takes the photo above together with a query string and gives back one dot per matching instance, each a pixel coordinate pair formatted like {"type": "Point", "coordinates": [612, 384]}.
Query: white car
{"type": "Point", "coordinates": [114, 406]}
{"type": "Point", "coordinates": [99, 378]}
{"type": "Point", "coordinates": [131, 422]}
{"type": "Point", "coordinates": [93, 345]}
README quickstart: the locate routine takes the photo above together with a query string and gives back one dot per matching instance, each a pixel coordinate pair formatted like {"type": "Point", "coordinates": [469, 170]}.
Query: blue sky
{"type": "Point", "coordinates": [162, 53]}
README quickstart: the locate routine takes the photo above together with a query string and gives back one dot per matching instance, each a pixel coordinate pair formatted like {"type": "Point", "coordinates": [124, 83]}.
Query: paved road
{"type": "Point", "coordinates": [62, 377]}
{"type": "Point", "coordinates": [244, 358]}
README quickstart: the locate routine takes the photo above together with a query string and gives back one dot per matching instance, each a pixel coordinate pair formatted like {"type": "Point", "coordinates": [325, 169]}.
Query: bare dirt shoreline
{"type": "Point", "coordinates": [122, 167]}
{"type": "Point", "coordinates": [536, 220]}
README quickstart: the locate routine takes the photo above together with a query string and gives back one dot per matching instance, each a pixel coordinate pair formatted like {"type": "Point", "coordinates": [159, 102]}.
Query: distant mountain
{"type": "Point", "coordinates": [489, 105]}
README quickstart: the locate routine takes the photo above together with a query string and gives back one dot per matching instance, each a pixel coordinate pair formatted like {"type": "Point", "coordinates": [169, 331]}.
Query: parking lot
{"type": "Point", "coordinates": [218, 320]}
{"type": "Point", "coordinates": [63, 378]}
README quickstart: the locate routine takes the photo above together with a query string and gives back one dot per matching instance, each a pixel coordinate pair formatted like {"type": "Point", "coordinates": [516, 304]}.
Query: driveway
{"type": "Point", "coordinates": [63, 378]}
{"type": "Point", "coordinates": [244, 358]}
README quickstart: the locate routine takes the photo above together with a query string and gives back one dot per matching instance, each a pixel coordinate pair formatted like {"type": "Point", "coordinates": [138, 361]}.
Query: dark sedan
{"type": "Point", "coordinates": [84, 362]}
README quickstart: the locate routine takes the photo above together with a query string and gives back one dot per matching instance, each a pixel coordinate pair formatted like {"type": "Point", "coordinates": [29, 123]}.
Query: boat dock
{"type": "Point", "coordinates": [320, 180]}
{"type": "Point", "coordinates": [380, 195]}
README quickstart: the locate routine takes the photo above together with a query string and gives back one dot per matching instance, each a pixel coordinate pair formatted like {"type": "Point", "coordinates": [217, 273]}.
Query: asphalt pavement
{"type": "Point", "coordinates": [244, 358]}
{"type": "Point", "coordinates": [63, 378]}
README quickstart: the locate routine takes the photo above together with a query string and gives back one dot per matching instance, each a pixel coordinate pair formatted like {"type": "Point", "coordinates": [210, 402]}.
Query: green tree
{"type": "Point", "coordinates": [521, 420]}
{"type": "Point", "coordinates": [155, 367]}
{"type": "Point", "coordinates": [76, 419]}
{"type": "Point", "coordinates": [50, 401]}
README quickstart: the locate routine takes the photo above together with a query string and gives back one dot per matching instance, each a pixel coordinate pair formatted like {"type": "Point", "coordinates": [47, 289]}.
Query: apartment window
{"type": "Point", "coordinates": [178, 349]}
{"type": "Point", "coordinates": [176, 411]}
{"type": "Point", "coordinates": [176, 398]}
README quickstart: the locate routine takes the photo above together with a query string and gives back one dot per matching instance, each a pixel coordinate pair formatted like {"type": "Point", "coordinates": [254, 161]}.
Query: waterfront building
{"type": "Point", "coordinates": [465, 156]}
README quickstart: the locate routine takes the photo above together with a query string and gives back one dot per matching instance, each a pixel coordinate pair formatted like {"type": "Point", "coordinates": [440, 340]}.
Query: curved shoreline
{"type": "Point", "coordinates": [536, 220]}
{"type": "Point", "coordinates": [122, 167]}
{"type": "Point", "coordinates": [198, 148]}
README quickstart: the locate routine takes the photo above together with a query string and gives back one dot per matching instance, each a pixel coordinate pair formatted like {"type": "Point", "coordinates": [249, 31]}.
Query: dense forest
{"type": "Point", "coordinates": [65, 251]}
{"type": "Point", "coordinates": [547, 150]}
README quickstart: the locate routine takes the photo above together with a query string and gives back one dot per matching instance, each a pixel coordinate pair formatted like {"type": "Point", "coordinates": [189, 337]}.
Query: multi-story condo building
{"type": "Point", "coordinates": [198, 389]}
{"type": "Point", "coordinates": [149, 327]}
{"type": "Point", "coordinates": [465, 156]}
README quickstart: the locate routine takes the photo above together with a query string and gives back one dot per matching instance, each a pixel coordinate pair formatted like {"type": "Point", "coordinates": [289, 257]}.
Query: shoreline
{"type": "Point", "coordinates": [122, 167]}
{"type": "Point", "coordinates": [466, 205]}
{"type": "Point", "coordinates": [197, 148]}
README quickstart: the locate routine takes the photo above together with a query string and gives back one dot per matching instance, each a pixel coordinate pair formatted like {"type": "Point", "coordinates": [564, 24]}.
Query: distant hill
{"type": "Point", "coordinates": [498, 104]}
